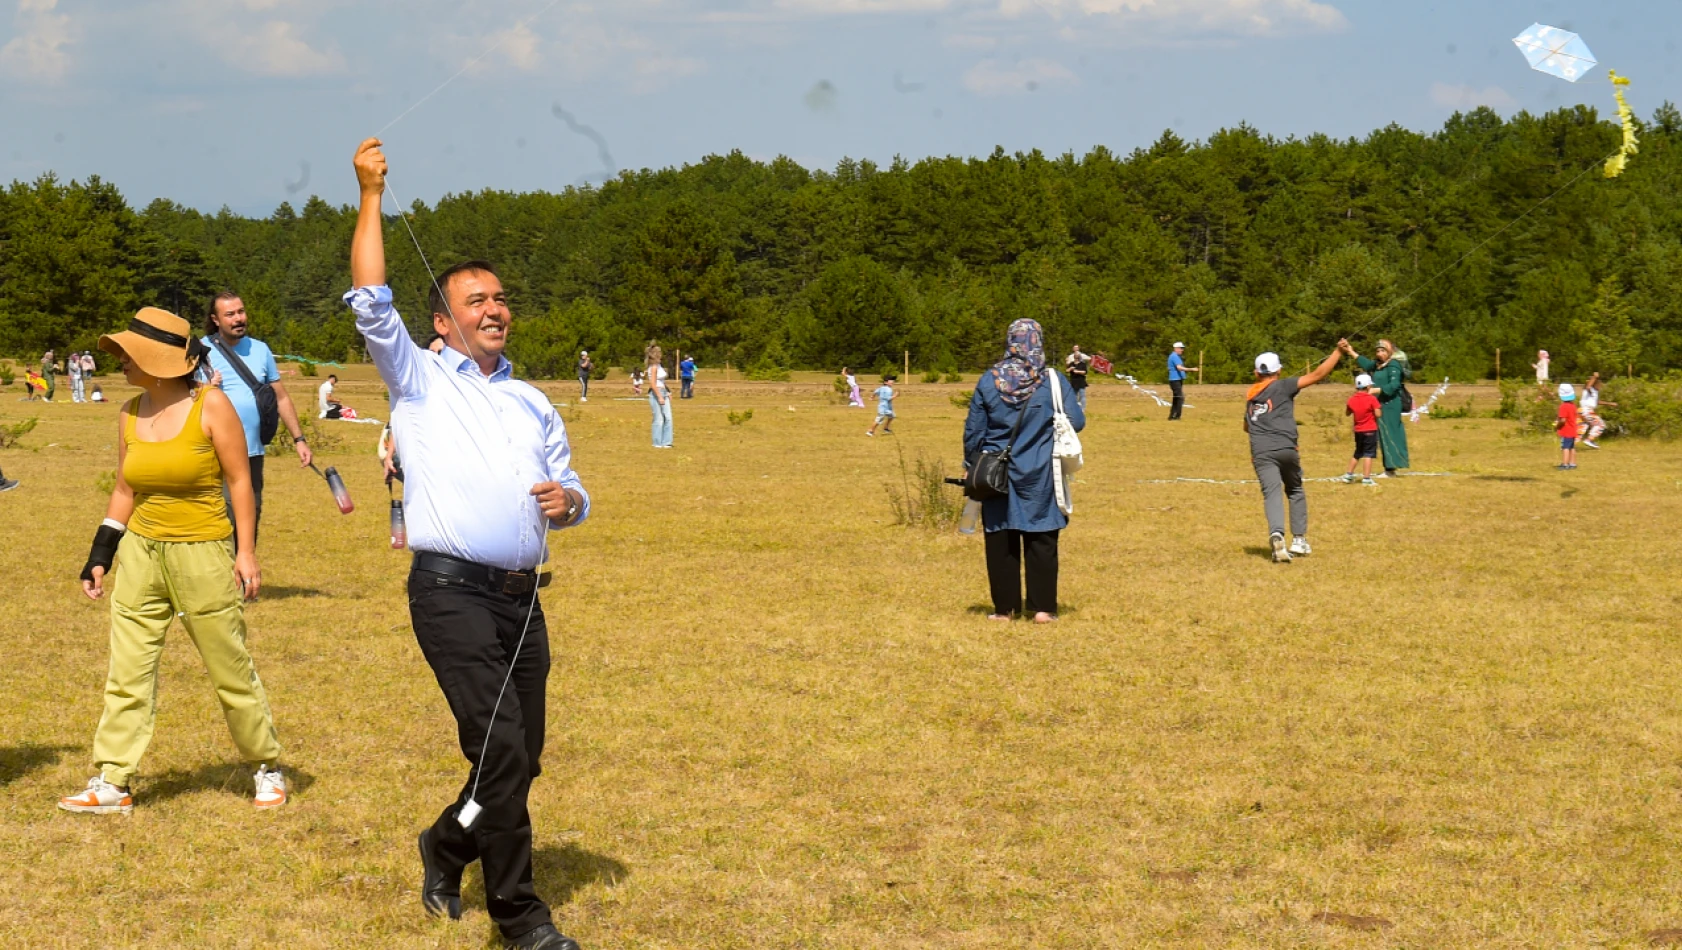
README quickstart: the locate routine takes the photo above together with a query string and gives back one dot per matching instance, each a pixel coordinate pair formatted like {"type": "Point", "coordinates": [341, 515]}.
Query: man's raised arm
{"type": "Point", "coordinates": [367, 245]}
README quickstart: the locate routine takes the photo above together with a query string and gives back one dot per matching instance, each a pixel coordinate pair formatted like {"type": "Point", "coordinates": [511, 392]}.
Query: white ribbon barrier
{"type": "Point", "coordinates": [1149, 392]}
{"type": "Point", "coordinates": [1418, 410]}
{"type": "Point", "coordinates": [1251, 481]}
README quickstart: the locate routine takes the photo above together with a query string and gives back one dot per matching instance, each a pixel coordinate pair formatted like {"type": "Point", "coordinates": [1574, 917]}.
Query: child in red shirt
{"type": "Point", "coordinates": [1364, 407]}
{"type": "Point", "coordinates": [1566, 426]}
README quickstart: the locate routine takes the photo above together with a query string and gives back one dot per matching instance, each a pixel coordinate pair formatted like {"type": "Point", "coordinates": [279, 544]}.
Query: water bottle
{"type": "Point", "coordinates": [399, 533]}
{"type": "Point", "coordinates": [971, 517]}
{"type": "Point", "coordinates": [341, 495]}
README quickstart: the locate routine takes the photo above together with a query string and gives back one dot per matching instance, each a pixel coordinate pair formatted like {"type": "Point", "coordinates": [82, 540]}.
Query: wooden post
{"type": "Point", "coordinates": [1199, 367]}
{"type": "Point", "coordinates": [908, 366]}
{"type": "Point", "coordinates": [1498, 364]}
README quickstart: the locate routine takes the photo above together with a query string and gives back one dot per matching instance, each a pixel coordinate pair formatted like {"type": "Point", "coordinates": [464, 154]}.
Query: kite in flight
{"type": "Point", "coordinates": [1562, 53]}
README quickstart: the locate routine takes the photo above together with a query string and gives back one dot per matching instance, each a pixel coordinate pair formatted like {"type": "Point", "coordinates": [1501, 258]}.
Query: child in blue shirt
{"type": "Point", "coordinates": [884, 406]}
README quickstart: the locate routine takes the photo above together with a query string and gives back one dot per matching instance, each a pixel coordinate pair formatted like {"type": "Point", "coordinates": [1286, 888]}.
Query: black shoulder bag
{"type": "Point", "coordinates": [268, 404]}
{"type": "Point", "coordinates": [988, 473]}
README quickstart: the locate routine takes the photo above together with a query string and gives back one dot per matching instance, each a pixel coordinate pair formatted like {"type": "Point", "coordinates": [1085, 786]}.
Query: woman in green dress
{"type": "Point", "coordinates": [1389, 373]}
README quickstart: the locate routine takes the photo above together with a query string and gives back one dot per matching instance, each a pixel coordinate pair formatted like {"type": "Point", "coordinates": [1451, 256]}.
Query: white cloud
{"type": "Point", "coordinates": [991, 77]}
{"type": "Point", "coordinates": [863, 6]}
{"type": "Point", "coordinates": [37, 52]}
{"type": "Point", "coordinates": [1256, 17]}
{"type": "Point", "coordinates": [1465, 97]}
{"type": "Point", "coordinates": [276, 49]}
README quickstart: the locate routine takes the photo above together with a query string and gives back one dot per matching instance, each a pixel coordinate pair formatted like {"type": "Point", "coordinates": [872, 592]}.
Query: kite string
{"type": "Point", "coordinates": [1480, 246]}
{"type": "Point", "coordinates": [458, 74]}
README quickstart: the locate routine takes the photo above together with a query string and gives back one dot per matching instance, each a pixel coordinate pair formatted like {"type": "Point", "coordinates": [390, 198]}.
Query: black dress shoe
{"type": "Point", "coordinates": [545, 937]}
{"type": "Point", "coordinates": [440, 892]}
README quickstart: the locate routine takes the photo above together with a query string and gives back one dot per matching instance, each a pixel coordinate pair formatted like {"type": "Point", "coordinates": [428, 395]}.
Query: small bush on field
{"type": "Point", "coordinates": [932, 376]}
{"type": "Point", "coordinates": [7, 374]}
{"type": "Point", "coordinates": [1463, 411]}
{"type": "Point", "coordinates": [1532, 407]}
{"type": "Point", "coordinates": [320, 438]}
{"type": "Point", "coordinates": [1645, 408]}
{"type": "Point", "coordinates": [737, 418]}
{"type": "Point", "coordinates": [961, 400]}
{"type": "Point", "coordinates": [922, 499]}
{"type": "Point", "coordinates": [952, 378]}
{"type": "Point", "coordinates": [106, 482]}
{"type": "Point", "coordinates": [9, 435]}
{"type": "Point", "coordinates": [306, 369]}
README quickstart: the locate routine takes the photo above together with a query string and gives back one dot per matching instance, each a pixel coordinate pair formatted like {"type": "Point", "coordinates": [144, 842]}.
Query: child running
{"type": "Point", "coordinates": [1364, 407]}
{"type": "Point", "coordinates": [1589, 423]}
{"type": "Point", "coordinates": [1270, 419]}
{"type": "Point", "coordinates": [1566, 426]}
{"type": "Point", "coordinates": [884, 406]}
{"type": "Point", "coordinates": [853, 397]}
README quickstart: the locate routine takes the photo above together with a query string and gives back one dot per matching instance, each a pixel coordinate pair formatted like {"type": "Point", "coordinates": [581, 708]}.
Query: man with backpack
{"type": "Point", "coordinates": [244, 369]}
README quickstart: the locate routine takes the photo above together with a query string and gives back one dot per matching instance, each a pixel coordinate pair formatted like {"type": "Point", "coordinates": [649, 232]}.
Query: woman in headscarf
{"type": "Point", "coordinates": [165, 546]}
{"type": "Point", "coordinates": [1390, 373]}
{"type": "Point", "coordinates": [1024, 524]}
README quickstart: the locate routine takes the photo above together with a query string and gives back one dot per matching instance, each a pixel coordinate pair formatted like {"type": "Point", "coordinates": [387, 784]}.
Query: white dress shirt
{"type": "Point", "coordinates": [472, 446]}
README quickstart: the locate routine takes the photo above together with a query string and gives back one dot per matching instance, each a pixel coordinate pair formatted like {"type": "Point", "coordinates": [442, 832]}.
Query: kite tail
{"type": "Point", "coordinates": [1616, 164]}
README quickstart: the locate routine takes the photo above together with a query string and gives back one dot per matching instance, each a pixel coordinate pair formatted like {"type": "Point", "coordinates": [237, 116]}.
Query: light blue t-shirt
{"type": "Point", "coordinates": [258, 358]}
{"type": "Point", "coordinates": [1175, 367]}
{"type": "Point", "coordinates": [884, 400]}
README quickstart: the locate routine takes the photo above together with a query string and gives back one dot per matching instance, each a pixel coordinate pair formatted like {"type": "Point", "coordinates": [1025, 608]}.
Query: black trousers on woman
{"type": "Point", "coordinates": [1006, 550]}
{"type": "Point", "coordinates": [468, 635]}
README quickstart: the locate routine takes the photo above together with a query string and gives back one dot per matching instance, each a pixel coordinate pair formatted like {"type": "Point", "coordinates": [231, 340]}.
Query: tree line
{"type": "Point", "coordinates": [1237, 244]}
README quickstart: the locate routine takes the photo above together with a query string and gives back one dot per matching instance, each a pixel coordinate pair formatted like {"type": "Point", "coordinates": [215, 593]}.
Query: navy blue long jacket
{"type": "Point", "coordinates": [1031, 504]}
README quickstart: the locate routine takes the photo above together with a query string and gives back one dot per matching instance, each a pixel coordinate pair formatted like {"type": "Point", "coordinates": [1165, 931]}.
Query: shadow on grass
{"type": "Point", "coordinates": [1259, 550]}
{"type": "Point", "coordinates": [559, 871]}
{"type": "Point", "coordinates": [288, 593]}
{"type": "Point", "coordinates": [220, 776]}
{"type": "Point", "coordinates": [20, 760]}
{"type": "Point", "coordinates": [1505, 478]}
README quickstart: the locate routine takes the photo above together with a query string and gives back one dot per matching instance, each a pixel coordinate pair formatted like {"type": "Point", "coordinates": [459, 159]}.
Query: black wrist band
{"type": "Point", "coordinates": [104, 551]}
{"type": "Point", "coordinates": [296, 439]}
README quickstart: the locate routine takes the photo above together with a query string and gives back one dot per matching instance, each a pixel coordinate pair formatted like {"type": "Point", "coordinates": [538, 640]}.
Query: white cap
{"type": "Point", "coordinates": [583, 352]}
{"type": "Point", "coordinates": [1566, 392]}
{"type": "Point", "coordinates": [1179, 346]}
{"type": "Point", "coordinates": [1363, 381]}
{"type": "Point", "coordinates": [1268, 363]}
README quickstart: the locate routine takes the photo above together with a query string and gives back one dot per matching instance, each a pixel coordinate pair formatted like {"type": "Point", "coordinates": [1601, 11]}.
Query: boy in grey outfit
{"type": "Point", "coordinates": [1270, 419]}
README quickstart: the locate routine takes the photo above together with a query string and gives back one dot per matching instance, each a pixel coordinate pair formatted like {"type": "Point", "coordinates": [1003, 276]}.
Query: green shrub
{"type": "Point", "coordinates": [932, 376]}
{"type": "Point", "coordinates": [7, 374]}
{"type": "Point", "coordinates": [922, 499]}
{"type": "Point", "coordinates": [737, 418]}
{"type": "Point", "coordinates": [306, 369]}
{"type": "Point", "coordinates": [106, 482]}
{"type": "Point", "coordinates": [1531, 406]}
{"type": "Point", "coordinates": [961, 400]}
{"type": "Point", "coordinates": [1644, 408]}
{"type": "Point", "coordinates": [1463, 411]}
{"type": "Point", "coordinates": [952, 378]}
{"type": "Point", "coordinates": [9, 435]}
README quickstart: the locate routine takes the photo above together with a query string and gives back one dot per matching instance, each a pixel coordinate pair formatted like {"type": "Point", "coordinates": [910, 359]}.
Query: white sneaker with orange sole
{"type": "Point", "coordinates": [271, 788]}
{"type": "Point", "coordinates": [99, 798]}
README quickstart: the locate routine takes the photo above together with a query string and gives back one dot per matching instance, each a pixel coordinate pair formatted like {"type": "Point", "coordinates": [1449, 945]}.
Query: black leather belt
{"type": "Point", "coordinates": [496, 580]}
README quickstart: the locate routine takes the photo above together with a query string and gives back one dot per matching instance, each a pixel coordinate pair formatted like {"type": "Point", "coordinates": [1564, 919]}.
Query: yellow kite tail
{"type": "Point", "coordinates": [1615, 165]}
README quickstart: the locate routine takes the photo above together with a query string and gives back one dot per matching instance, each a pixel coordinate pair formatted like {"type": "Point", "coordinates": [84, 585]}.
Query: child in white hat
{"type": "Point", "coordinates": [1566, 426]}
{"type": "Point", "coordinates": [1364, 407]}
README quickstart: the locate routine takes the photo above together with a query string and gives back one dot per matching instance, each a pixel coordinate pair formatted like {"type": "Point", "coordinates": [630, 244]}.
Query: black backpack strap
{"type": "Point", "coordinates": [243, 370]}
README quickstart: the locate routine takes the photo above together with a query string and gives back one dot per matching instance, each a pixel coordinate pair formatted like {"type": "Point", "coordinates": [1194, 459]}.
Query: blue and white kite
{"type": "Point", "coordinates": [1556, 52]}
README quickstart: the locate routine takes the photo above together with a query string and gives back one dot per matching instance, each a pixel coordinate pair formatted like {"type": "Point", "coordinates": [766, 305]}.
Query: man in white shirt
{"type": "Point", "coordinates": [489, 475]}
{"type": "Point", "coordinates": [324, 398]}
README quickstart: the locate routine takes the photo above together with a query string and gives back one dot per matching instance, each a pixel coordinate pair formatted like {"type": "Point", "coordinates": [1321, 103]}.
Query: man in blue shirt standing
{"type": "Point", "coordinates": [225, 332]}
{"type": "Point", "coordinates": [489, 476]}
{"type": "Point", "coordinates": [686, 373]}
{"type": "Point", "coordinates": [1177, 370]}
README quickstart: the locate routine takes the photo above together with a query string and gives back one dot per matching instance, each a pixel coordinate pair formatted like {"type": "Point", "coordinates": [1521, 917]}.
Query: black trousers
{"type": "Point", "coordinates": [1005, 554]}
{"type": "Point", "coordinates": [1179, 387]}
{"type": "Point", "coordinates": [689, 388]}
{"type": "Point", "coordinates": [468, 636]}
{"type": "Point", "coordinates": [256, 494]}
{"type": "Point", "coordinates": [584, 387]}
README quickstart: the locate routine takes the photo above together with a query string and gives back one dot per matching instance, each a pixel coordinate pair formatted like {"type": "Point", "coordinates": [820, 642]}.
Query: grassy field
{"type": "Point", "coordinates": [779, 720]}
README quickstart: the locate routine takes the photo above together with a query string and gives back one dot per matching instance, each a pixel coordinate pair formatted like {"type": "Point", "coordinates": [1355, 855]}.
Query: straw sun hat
{"type": "Point", "coordinates": [159, 342]}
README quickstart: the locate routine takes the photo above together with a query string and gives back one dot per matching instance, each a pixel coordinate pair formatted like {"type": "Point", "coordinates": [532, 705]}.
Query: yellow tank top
{"type": "Point", "coordinates": [177, 482]}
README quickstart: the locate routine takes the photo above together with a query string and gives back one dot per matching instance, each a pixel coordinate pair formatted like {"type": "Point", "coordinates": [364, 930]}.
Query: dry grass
{"type": "Point", "coordinates": [780, 721]}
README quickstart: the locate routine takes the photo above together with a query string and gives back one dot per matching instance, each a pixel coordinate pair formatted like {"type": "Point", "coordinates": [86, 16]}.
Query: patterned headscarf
{"type": "Point", "coordinates": [1023, 368]}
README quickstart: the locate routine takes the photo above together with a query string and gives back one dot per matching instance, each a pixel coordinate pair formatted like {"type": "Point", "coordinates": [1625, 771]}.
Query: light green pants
{"type": "Point", "coordinates": [155, 581]}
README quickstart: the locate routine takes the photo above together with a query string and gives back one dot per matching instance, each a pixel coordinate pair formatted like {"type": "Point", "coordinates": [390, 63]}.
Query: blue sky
{"type": "Point", "coordinates": [226, 102]}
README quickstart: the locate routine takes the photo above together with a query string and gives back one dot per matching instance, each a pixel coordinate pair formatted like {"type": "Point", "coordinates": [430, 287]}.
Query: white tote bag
{"type": "Point", "coordinates": [1066, 458]}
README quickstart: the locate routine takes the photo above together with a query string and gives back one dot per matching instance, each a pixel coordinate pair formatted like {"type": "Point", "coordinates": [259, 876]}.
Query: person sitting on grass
{"type": "Point", "coordinates": [166, 548]}
{"type": "Point", "coordinates": [98, 395]}
{"type": "Point", "coordinates": [1270, 419]}
{"type": "Point", "coordinates": [1566, 425]}
{"type": "Point", "coordinates": [884, 406]}
{"type": "Point", "coordinates": [1364, 407]}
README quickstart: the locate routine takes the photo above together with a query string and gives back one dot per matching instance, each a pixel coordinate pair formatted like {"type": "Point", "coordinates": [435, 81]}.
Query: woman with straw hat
{"type": "Point", "coordinates": [167, 528]}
